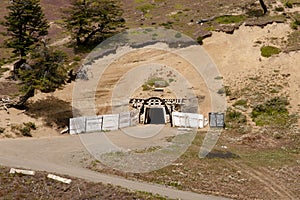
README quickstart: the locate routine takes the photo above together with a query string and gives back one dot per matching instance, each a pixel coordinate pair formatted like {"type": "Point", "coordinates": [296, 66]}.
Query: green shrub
{"type": "Point", "coordinates": [235, 116]}
{"type": "Point", "coordinates": [23, 129]}
{"type": "Point", "coordinates": [30, 125]}
{"type": "Point", "coordinates": [241, 102]}
{"type": "Point", "coordinates": [2, 130]}
{"type": "Point", "coordinates": [230, 19]}
{"type": "Point", "coordinates": [279, 9]}
{"type": "Point", "coordinates": [225, 90]}
{"type": "Point", "coordinates": [273, 113]}
{"type": "Point", "coordinates": [268, 51]}
{"type": "Point", "coordinates": [26, 131]}
{"type": "Point", "coordinates": [235, 120]}
{"type": "Point", "coordinates": [77, 58]}
{"type": "Point", "coordinates": [146, 87]}
{"type": "Point", "coordinates": [294, 25]}
{"type": "Point", "coordinates": [178, 35]}
{"type": "Point", "coordinates": [288, 4]}
{"type": "Point", "coordinates": [200, 40]}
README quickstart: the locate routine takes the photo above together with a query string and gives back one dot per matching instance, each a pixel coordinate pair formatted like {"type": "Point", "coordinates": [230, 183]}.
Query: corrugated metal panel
{"type": "Point", "coordinates": [124, 120]}
{"type": "Point", "coordinates": [217, 120]}
{"type": "Point", "coordinates": [77, 125]}
{"type": "Point", "coordinates": [134, 115]}
{"type": "Point", "coordinates": [93, 124]}
{"type": "Point", "coordinates": [188, 120]}
{"type": "Point", "coordinates": [110, 122]}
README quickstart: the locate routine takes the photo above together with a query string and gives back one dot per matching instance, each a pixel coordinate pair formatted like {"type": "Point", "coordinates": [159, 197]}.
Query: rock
{"type": "Point", "coordinates": [242, 108]}
{"type": "Point", "coordinates": [229, 29]}
{"type": "Point", "coordinates": [262, 23]}
{"type": "Point", "coordinates": [204, 34]}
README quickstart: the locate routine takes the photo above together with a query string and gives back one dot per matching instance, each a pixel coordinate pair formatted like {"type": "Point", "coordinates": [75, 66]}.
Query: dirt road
{"type": "Point", "coordinates": [64, 155]}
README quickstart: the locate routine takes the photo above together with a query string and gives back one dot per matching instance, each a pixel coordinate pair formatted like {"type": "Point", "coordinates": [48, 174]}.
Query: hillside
{"type": "Point", "coordinates": [258, 57]}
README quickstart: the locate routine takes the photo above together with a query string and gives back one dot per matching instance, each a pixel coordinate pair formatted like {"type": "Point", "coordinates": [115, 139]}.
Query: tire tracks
{"type": "Point", "coordinates": [272, 185]}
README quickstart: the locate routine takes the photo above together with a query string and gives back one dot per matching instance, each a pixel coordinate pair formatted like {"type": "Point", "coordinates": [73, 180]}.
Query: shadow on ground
{"type": "Point", "coordinates": [221, 154]}
{"type": "Point", "coordinates": [54, 111]}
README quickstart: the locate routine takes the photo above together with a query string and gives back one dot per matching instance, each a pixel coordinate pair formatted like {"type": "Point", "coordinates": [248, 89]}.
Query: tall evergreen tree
{"type": "Point", "coordinates": [43, 71]}
{"type": "Point", "coordinates": [25, 24]}
{"type": "Point", "coordinates": [87, 18]}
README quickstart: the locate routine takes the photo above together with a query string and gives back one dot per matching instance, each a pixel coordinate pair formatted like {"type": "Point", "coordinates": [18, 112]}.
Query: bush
{"type": "Point", "coordinates": [200, 40]}
{"type": "Point", "coordinates": [230, 19]}
{"type": "Point", "coordinates": [225, 90]}
{"type": "Point", "coordinates": [288, 4]}
{"type": "Point", "coordinates": [241, 102]}
{"type": "Point", "coordinates": [26, 131]}
{"type": "Point", "coordinates": [279, 9]}
{"type": "Point", "coordinates": [2, 130]}
{"type": "Point", "coordinates": [235, 120]}
{"type": "Point", "coordinates": [30, 125]}
{"type": "Point", "coordinates": [268, 51]}
{"type": "Point", "coordinates": [294, 25]}
{"type": "Point", "coordinates": [273, 113]}
{"type": "Point", "coordinates": [146, 87]}
{"type": "Point", "coordinates": [178, 35]}
{"type": "Point", "coordinates": [235, 116]}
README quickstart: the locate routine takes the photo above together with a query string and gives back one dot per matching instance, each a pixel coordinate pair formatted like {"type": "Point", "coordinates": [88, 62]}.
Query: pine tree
{"type": "Point", "coordinates": [87, 18]}
{"type": "Point", "coordinates": [44, 71]}
{"type": "Point", "coordinates": [25, 24]}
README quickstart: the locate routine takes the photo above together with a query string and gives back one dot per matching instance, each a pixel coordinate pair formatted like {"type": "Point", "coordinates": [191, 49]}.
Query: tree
{"type": "Point", "coordinates": [25, 24]}
{"type": "Point", "coordinates": [44, 71]}
{"type": "Point", "coordinates": [263, 5]}
{"type": "Point", "coordinates": [87, 18]}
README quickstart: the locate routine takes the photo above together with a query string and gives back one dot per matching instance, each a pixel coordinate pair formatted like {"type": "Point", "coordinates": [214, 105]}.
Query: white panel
{"type": "Point", "coordinates": [124, 120]}
{"type": "Point", "coordinates": [77, 125]}
{"type": "Point", "coordinates": [134, 118]}
{"type": "Point", "coordinates": [60, 179]}
{"type": "Point", "coordinates": [93, 124]}
{"type": "Point", "coordinates": [110, 122]}
{"type": "Point", "coordinates": [188, 120]}
{"type": "Point", "coordinates": [22, 171]}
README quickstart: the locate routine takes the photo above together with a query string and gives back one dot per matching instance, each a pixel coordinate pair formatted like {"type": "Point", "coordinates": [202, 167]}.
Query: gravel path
{"type": "Point", "coordinates": [63, 155]}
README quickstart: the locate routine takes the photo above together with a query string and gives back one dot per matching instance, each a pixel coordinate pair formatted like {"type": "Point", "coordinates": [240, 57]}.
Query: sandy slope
{"type": "Point", "coordinates": [238, 57]}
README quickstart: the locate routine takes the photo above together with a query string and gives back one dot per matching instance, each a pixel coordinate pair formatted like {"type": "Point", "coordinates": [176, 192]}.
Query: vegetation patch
{"type": "Point", "coordinates": [272, 113]}
{"type": "Point", "coordinates": [234, 119]}
{"type": "Point", "coordinates": [279, 9]}
{"type": "Point", "coordinates": [145, 8]}
{"type": "Point", "coordinates": [293, 41]}
{"type": "Point", "coordinates": [267, 158]}
{"type": "Point", "coordinates": [296, 23]}
{"type": "Point", "coordinates": [288, 4]}
{"type": "Point", "coordinates": [23, 129]}
{"type": "Point", "coordinates": [225, 90]}
{"type": "Point", "coordinates": [230, 19]}
{"type": "Point", "coordinates": [241, 102]}
{"type": "Point", "coordinates": [147, 150]}
{"type": "Point", "coordinates": [150, 83]}
{"type": "Point", "coordinates": [268, 51]}
{"type": "Point", "coordinates": [2, 130]}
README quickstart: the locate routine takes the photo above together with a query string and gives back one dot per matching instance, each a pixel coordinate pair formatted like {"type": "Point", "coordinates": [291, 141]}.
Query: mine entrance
{"type": "Point", "coordinates": [155, 116]}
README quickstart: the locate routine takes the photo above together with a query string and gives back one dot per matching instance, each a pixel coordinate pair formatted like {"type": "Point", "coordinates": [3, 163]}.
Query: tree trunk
{"type": "Point", "coordinates": [23, 99]}
{"type": "Point", "coordinates": [17, 66]}
{"type": "Point", "coordinates": [263, 5]}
